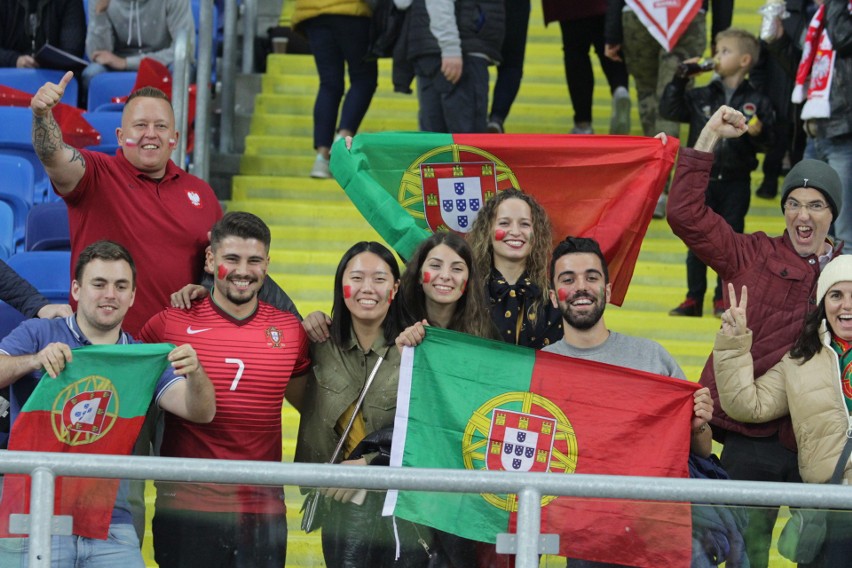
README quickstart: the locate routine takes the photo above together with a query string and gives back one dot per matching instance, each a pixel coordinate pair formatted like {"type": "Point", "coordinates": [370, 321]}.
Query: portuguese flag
{"type": "Point", "coordinates": [95, 406]}
{"type": "Point", "coordinates": [409, 184]}
{"type": "Point", "coordinates": [470, 403]}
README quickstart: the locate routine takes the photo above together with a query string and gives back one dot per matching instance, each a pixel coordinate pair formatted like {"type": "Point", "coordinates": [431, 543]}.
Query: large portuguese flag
{"type": "Point", "coordinates": [470, 403]}
{"type": "Point", "coordinates": [408, 184]}
{"type": "Point", "coordinates": [95, 406]}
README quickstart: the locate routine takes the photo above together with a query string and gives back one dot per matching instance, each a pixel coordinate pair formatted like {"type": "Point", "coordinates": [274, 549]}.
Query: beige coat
{"type": "Point", "coordinates": [810, 393]}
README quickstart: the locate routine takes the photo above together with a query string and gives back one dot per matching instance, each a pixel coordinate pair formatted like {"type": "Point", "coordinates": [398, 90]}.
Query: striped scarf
{"type": "Point", "coordinates": [844, 354]}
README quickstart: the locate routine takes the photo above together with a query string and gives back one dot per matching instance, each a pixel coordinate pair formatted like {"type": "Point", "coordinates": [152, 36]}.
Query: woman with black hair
{"type": "Point", "coordinates": [811, 384]}
{"type": "Point", "coordinates": [365, 320]}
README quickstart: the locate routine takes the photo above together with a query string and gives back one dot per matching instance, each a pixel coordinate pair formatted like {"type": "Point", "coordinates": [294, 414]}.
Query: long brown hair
{"type": "Point", "coordinates": [470, 315]}
{"type": "Point", "coordinates": [479, 238]}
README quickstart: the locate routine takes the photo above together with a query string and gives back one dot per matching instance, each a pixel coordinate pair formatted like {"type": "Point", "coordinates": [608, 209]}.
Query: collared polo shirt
{"type": "Point", "coordinates": [34, 335]}
{"type": "Point", "coordinates": [163, 223]}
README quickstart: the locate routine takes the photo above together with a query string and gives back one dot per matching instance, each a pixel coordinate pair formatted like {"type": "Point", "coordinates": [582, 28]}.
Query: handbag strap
{"type": "Point", "coordinates": [357, 407]}
{"type": "Point", "coordinates": [841, 462]}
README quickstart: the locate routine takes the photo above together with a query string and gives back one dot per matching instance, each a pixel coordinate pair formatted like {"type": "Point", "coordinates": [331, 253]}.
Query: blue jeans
{"type": "Point", "coordinates": [837, 152]}
{"type": "Point", "coordinates": [121, 549]}
{"type": "Point", "coordinates": [335, 41]}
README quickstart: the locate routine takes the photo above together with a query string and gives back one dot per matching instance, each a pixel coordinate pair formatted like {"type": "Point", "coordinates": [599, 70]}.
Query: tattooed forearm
{"type": "Point", "coordinates": [47, 138]}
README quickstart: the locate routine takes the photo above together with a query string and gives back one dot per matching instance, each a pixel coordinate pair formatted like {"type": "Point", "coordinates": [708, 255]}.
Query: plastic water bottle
{"type": "Point", "coordinates": [771, 12]}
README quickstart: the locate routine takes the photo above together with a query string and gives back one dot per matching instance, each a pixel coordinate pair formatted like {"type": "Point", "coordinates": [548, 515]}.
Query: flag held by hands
{"type": "Point", "coordinates": [410, 184]}
{"type": "Point", "coordinates": [470, 403]}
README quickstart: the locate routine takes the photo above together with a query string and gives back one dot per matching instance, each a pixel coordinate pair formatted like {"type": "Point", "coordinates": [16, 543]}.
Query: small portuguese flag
{"type": "Point", "coordinates": [96, 405]}
{"type": "Point", "coordinates": [409, 184]}
{"type": "Point", "coordinates": [470, 403]}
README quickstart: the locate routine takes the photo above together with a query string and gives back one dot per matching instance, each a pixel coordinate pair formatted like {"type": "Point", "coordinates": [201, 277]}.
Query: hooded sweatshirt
{"type": "Point", "coordinates": [135, 29]}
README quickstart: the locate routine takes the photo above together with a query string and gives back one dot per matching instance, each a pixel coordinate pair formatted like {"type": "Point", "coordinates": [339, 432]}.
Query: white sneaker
{"type": "Point", "coordinates": [620, 121]}
{"type": "Point", "coordinates": [320, 169]}
{"type": "Point", "coordinates": [582, 130]}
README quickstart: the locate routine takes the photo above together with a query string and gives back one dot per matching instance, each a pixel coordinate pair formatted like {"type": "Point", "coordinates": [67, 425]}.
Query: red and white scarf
{"type": "Point", "coordinates": [817, 65]}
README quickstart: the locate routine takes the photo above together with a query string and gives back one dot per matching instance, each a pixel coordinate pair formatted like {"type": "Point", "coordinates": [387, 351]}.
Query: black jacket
{"type": "Point", "coordinates": [774, 74]}
{"type": "Point", "coordinates": [735, 157]}
{"type": "Point", "coordinates": [481, 25]}
{"type": "Point", "coordinates": [838, 24]}
{"type": "Point", "coordinates": [61, 23]}
{"type": "Point", "coordinates": [19, 293]}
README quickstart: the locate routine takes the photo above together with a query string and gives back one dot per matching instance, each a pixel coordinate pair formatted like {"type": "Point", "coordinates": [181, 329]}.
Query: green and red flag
{"type": "Point", "coordinates": [96, 405]}
{"type": "Point", "coordinates": [471, 403]}
{"type": "Point", "coordinates": [409, 184]}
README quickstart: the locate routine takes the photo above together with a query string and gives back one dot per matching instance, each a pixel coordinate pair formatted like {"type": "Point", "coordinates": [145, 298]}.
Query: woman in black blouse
{"type": "Point", "coordinates": [511, 241]}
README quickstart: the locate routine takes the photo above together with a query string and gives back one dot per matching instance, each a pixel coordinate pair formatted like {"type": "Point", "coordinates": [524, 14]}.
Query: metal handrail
{"type": "Point", "coordinates": [201, 150]}
{"type": "Point", "coordinates": [229, 87]}
{"type": "Point", "coordinates": [180, 95]}
{"type": "Point", "coordinates": [529, 486]}
{"type": "Point", "coordinates": [249, 31]}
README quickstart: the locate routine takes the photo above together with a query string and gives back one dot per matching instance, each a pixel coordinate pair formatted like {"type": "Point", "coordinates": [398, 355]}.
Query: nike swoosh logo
{"type": "Point", "coordinates": [191, 331]}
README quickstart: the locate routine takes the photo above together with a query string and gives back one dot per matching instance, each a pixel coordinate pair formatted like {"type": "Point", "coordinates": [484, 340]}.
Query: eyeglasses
{"type": "Point", "coordinates": [812, 207]}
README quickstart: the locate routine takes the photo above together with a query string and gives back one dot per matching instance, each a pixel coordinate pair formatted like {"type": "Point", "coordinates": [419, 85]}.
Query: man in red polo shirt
{"type": "Point", "coordinates": [138, 197]}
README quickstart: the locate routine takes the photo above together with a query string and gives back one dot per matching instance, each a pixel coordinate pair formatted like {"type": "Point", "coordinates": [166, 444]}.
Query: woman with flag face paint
{"type": "Point", "coordinates": [435, 290]}
{"type": "Point", "coordinates": [366, 318]}
{"type": "Point", "coordinates": [511, 241]}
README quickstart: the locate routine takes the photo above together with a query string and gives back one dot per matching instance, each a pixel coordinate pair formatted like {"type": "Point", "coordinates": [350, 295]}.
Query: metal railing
{"type": "Point", "coordinates": [180, 95]}
{"type": "Point", "coordinates": [44, 467]}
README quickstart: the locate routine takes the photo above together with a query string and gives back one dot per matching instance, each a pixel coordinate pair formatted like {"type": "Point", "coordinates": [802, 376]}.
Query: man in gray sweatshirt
{"type": "Point", "coordinates": [123, 32]}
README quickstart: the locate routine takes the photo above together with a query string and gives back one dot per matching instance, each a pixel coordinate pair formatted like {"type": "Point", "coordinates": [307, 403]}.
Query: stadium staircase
{"type": "Point", "coordinates": [313, 222]}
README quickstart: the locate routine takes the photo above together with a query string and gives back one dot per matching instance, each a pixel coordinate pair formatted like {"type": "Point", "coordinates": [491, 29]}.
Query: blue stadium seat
{"type": "Point", "coordinates": [16, 140]}
{"type": "Point", "coordinates": [48, 271]}
{"type": "Point", "coordinates": [105, 122]}
{"type": "Point", "coordinates": [7, 231]}
{"type": "Point", "coordinates": [47, 227]}
{"type": "Point", "coordinates": [30, 80]}
{"type": "Point", "coordinates": [105, 86]}
{"type": "Point", "coordinates": [16, 190]}
{"type": "Point", "coordinates": [10, 318]}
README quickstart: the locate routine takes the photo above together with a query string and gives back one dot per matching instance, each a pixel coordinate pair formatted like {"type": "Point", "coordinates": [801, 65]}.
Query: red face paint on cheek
{"type": "Point", "coordinates": [427, 277]}
{"type": "Point", "coordinates": [347, 291]}
{"type": "Point", "coordinates": [463, 286]}
{"type": "Point", "coordinates": [222, 272]}
{"type": "Point", "coordinates": [499, 234]}
{"type": "Point", "coordinates": [562, 293]}
{"type": "Point", "coordinates": [130, 142]}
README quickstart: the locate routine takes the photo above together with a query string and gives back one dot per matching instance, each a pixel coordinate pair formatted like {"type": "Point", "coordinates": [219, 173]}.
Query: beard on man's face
{"type": "Point", "coordinates": [584, 320]}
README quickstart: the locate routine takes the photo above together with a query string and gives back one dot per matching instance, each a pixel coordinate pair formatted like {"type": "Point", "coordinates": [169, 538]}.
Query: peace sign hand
{"type": "Point", "coordinates": [734, 318]}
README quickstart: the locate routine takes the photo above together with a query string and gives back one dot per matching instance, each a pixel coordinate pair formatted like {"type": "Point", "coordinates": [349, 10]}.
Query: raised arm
{"type": "Point", "coordinates": [64, 164]}
{"type": "Point", "coordinates": [743, 396]}
{"type": "Point", "coordinates": [725, 123]}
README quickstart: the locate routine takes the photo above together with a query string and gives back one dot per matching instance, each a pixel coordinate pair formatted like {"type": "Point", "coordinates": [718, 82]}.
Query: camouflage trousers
{"type": "Point", "coordinates": [652, 67]}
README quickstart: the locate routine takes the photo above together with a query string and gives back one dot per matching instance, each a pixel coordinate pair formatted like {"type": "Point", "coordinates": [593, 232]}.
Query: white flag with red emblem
{"type": "Point", "coordinates": [666, 20]}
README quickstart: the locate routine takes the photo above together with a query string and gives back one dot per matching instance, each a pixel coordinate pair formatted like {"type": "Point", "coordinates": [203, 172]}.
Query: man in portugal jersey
{"type": "Point", "coordinates": [250, 351]}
